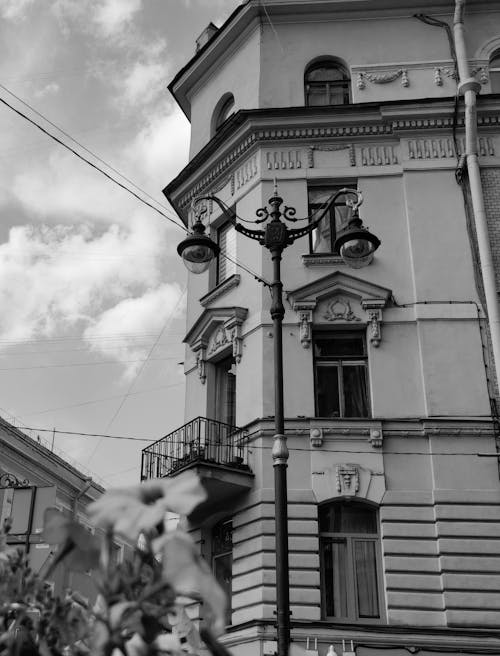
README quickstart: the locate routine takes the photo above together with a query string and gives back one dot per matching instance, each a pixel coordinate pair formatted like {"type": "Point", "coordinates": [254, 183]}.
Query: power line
{"type": "Point", "coordinates": [139, 371]}
{"type": "Point", "coordinates": [85, 364]}
{"type": "Point", "coordinates": [266, 447]}
{"type": "Point", "coordinates": [99, 159]}
{"type": "Point", "coordinates": [102, 400]}
{"type": "Point", "coordinates": [94, 166]}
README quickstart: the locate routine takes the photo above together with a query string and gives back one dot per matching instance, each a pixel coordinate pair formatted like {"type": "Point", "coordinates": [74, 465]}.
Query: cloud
{"type": "Point", "coordinates": [113, 16]}
{"type": "Point", "coordinates": [149, 313]}
{"type": "Point", "coordinates": [55, 279]}
{"type": "Point", "coordinates": [14, 10]}
{"type": "Point", "coordinates": [48, 90]}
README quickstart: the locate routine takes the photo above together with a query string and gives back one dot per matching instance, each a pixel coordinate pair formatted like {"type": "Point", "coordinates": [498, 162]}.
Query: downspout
{"type": "Point", "coordinates": [469, 87]}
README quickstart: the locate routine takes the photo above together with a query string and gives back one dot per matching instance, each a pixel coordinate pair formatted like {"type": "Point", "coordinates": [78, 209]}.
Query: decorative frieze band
{"type": "Point", "coordinates": [383, 77]}
{"type": "Point", "coordinates": [330, 148]}
{"type": "Point", "coordinates": [283, 159]}
{"type": "Point", "coordinates": [378, 155]}
{"type": "Point", "coordinates": [444, 147]}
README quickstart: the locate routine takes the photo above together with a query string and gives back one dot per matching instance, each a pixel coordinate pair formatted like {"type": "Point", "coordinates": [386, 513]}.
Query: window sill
{"type": "Point", "coordinates": [321, 259]}
{"type": "Point", "coordinates": [220, 290]}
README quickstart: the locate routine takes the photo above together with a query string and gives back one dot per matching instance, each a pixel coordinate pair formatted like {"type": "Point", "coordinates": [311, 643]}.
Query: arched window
{"type": "Point", "coordinates": [223, 111]}
{"type": "Point", "coordinates": [495, 72]}
{"type": "Point", "coordinates": [222, 559]}
{"type": "Point", "coordinates": [350, 561]}
{"type": "Point", "coordinates": [326, 82]}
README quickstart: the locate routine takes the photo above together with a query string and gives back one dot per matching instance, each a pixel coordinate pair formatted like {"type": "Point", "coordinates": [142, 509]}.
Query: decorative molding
{"type": "Point", "coordinates": [373, 308]}
{"type": "Point", "coordinates": [316, 437]}
{"type": "Point", "coordinates": [305, 314]}
{"type": "Point", "coordinates": [324, 260]}
{"type": "Point", "coordinates": [244, 174]}
{"type": "Point", "coordinates": [330, 148]}
{"type": "Point", "coordinates": [378, 155]}
{"type": "Point", "coordinates": [376, 437]}
{"type": "Point", "coordinates": [383, 126]}
{"type": "Point", "coordinates": [339, 309]}
{"type": "Point", "coordinates": [383, 77]}
{"type": "Point", "coordinates": [482, 73]}
{"type": "Point", "coordinates": [283, 159]}
{"type": "Point", "coordinates": [347, 479]}
{"type": "Point", "coordinates": [220, 290]}
{"type": "Point", "coordinates": [443, 147]}
{"type": "Point", "coordinates": [216, 330]}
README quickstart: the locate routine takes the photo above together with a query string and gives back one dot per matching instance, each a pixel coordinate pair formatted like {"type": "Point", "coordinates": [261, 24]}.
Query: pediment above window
{"type": "Point", "coordinates": [215, 333]}
{"type": "Point", "coordinates": [339, 299]}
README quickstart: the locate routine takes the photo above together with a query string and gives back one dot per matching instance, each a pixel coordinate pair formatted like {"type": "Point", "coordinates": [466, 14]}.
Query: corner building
{"type": "Point", "coordinates": [390, 392]}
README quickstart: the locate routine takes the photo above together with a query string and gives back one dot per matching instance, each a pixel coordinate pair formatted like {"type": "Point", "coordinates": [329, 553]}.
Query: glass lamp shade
{"type": "Point", "coordinates": [357, 245]}
{"type": "Point", "coordinates": [198, 250]}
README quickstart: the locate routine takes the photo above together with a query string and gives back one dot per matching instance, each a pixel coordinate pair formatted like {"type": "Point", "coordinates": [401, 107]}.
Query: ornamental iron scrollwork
{"type": "Point", "coordinates": [9, 480]}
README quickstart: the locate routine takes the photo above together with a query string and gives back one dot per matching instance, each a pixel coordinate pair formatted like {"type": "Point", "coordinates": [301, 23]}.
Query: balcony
{"type": "Point", "coordinates": [216, 451]}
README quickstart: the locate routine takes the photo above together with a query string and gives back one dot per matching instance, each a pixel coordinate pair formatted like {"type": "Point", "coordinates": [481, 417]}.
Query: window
{"type": "Point", "coordinates": [340, 373]}
{"type": "Point", "coordinates": [326, 82]}
{"type": "Point", "coordinates": [323, 238]}
{"type": "Point", "coordinates": [350, 561]}
{"type": "Point", "coordinates": [495, 72]}
{"type": "Point", "coordinates": [222, 559]}
{"type": "Point", "coordinates": [223, 110]}
{"type": "Point", "coordinates": [225, 391]}
{"type": "Point", "coordinates": [226, 239]}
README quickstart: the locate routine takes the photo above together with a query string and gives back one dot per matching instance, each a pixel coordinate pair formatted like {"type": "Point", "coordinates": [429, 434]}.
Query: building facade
{"type": "Point", "coordinates": [390, 391]}
{"type": "Point", "coordinates": [33, 477]}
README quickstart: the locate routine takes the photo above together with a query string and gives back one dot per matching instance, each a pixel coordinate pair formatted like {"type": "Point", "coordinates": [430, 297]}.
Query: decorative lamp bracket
{"type": "Point", "coordinates": [8, 480]}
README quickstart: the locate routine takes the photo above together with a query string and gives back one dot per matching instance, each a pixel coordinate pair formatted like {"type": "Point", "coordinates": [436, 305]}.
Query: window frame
{"type": "Point", "coordinates": [313, 207]}
{"type": "Point", "coordinates": [344, 83]}
{"type": "Point", "coordinates": [223, 229]}
{"type": "Point", "coordinates": [495, 69]}
{"type": "Point", "coordinates": [218, 555]}
{"type": "Point", "coordinates": [352, 575]}
{"type": "Point", "coordinates": [339, 362]}
{"type": "Point", "coordinates": [223, 110]}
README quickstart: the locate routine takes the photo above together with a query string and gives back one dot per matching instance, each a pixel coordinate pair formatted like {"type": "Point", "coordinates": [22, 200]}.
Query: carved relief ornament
{"type": "Point", "coordinates": [217, 330]}
{"type": "Point", "coordinates": [340, 298]}
{"type": "Point", "coordinates": [347, 479]}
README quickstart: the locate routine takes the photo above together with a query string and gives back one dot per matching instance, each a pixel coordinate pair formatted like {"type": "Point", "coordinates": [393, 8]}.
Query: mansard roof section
{"type": "Point", "coordinates": [253, 12]}
{"type": "Point", "coordinates": [340, 283]}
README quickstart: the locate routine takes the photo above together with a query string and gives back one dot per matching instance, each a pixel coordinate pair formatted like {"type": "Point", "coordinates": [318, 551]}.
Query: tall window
{"type": "Point", "coordinates": [222, 559]}
{"type": "Point", "coordinates": [350, 558]}
{"type": "Point", "coordinates": [323, 238]}
{"type": "Point", "coordinates": [225, 391]}
{"type": "Point", "coordinates": [226, 239]}
{"type": "Point", "coordinates": [495, 72]}
{"type": "Point", "coordinates": [340, 368]}
{"type": "Point", "coordinates": [326, 83]}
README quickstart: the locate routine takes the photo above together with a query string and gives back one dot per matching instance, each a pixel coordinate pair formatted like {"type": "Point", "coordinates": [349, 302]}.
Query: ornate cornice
{"type": "Point", "coordinates": [300, 130]}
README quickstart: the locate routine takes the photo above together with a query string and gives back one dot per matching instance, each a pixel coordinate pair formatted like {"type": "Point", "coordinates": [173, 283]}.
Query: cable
{"type": "Point", "coordinates": [94, 166]}
{"type": "Point", "coordinates": [263, 447]}
{"type": "Point", "coordinates": [85, 364]}
{"type": "Point", "coordinates": [140, 370]}
{"type": "Point", "coordinates": [102, 400]}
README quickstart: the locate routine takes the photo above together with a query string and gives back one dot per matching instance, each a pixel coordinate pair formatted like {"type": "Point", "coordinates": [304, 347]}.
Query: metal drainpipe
{"type": "Point", "coordinates": [469, 87]}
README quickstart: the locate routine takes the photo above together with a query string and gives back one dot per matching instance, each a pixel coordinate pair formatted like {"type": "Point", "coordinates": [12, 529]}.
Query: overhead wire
{"type": "Point", "coordinates": [80, 145]}
{"type": "Point", "coordinates": [84, 364]}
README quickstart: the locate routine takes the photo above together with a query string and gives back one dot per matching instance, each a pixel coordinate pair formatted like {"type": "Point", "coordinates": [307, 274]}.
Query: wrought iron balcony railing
{"type": "Point", "coordinates": [199, 441]}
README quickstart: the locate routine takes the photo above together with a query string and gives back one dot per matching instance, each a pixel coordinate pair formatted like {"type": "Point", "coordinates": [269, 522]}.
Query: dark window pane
{"type": "Point", "coordinates": [495, 81]}
{"type": "Point", "coordinates": [355, 391]}
{"type": "Point", "coordinates": [325, 73]}
{"type": "Point", "coordinates": [225, 392]}
{"type": "Point", "coordinates": [334, 221]}
{"type": "Point", "coordinates": [339, 346]}
{"type": "Point", "coordinates": [224, 112]}
{"type": "Point", "coordinates": [327, 391]}
{"type": "Point", "coordinates": [365, 563]}
{"type": "Point", "coordinates": [335, 584]}
{"type": "Point", "coordinates": [326, 83]}
{"type": "Point", "coordinates": [347, 518]}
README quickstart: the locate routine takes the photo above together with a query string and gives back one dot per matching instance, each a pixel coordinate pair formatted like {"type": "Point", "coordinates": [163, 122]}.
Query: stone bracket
{"type": "Point", "coordinates": [373, 308]}
{"type": "Point", "coordinates": [347, 479]}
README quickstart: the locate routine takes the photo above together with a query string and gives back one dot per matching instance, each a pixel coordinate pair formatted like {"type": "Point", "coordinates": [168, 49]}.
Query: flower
{"type": "Point", "coordinates": [75, 543]}
{"type": "Point", "coordinates": [131, 511]}
{"type": "Point", "coordinates": [190, 576]}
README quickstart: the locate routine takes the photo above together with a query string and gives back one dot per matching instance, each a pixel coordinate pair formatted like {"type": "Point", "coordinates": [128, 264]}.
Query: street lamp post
{"type": "Point", "coordinates": [356, 245]}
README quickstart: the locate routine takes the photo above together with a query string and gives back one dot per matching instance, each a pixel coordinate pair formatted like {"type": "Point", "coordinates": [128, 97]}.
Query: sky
{"type": "Point", "coordinates": [92, 292]}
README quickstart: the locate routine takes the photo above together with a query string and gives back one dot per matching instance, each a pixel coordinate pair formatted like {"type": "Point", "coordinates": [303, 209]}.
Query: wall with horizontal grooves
{"type": "Point", "coordinates": [254, 557]}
